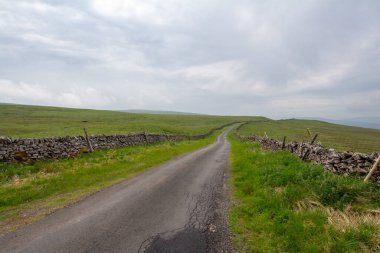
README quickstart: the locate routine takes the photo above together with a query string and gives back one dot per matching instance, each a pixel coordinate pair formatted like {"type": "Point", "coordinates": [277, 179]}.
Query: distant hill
{"type": "Point", "coordinates": [363, 122]}
{"type": "Point", "coordinates": [367, 122]}
{"type": "Point", "coordinates": [158, 112]}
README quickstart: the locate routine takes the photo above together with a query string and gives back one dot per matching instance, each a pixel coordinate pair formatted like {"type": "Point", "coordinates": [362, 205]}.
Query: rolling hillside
{"type": "Point", "coordinates": [43, 121]}
{"type": "Point", "coordinates": [336, 136]}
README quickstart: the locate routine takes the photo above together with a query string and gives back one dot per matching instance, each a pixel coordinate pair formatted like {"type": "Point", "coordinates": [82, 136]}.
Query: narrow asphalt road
{"type": "Point", "coordinates": [180, 206]}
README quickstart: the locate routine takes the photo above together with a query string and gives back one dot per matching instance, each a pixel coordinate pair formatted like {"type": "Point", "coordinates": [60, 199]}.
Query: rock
{"type": "Point", "coordinates": [374, 156]}
{"type": "Point", "coordinates": [336, 161]}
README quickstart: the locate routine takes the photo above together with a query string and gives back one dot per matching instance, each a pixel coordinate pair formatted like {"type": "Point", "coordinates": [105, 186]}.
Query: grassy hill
{"type": "Point", "coordinates": [158, 112]}
{"type": "Point", "coordinates": [42, 121]}
{"type": "Point", "coordinates": [336, 136]}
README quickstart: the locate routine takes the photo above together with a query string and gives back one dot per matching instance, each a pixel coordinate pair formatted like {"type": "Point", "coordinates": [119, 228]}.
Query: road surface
{"type": "Point", "coordinates": [180, 206]}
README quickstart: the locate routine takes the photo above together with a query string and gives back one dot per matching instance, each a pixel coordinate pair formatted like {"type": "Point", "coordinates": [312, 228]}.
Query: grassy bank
{"type": "Point", "coordinates": [28, 192]}
{"type": "Point", "coordinates": [340, 137]}
{"type": "Point", "coordinates": [43, 121]}
{"type": "Point", "coordinates": [281, 204]}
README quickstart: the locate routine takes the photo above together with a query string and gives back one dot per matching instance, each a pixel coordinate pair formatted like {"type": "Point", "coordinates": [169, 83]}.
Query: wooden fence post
{"type": "Point", "coordinates": [145, 138]}
{"type": "Point", "coordinates": [308, 132]}
{"type": "Point", "coordinates": [283, 143]}
{"type": "Point", "coordinates": [374, 167]}
{"type": "Point", "coordinates": [314, 138]}
{"type": "Point", "coordinates": [88, 141]}
{"type": "Point", "coordinates": [307, 153]}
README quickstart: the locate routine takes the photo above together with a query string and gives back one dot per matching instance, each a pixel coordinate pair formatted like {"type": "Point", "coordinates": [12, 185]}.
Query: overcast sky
{"type": "Point", "coordinates": [238, 57]}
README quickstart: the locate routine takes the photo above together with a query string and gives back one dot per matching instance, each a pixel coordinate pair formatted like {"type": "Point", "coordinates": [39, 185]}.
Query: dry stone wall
{"type": "Point", "coordinates": [64, 147]}
{"type": "Point", "coordinates": [29, 150]}
{"type": "Point", "coordinates": [332, 160]}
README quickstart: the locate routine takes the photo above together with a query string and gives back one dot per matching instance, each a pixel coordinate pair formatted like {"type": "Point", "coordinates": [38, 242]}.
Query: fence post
{"type": "Point", "coordinates": [145, 138]}
{"type": "Point", "coordinates": [314, 138]}
{"type": "Point", "coordinates": [308, 151]}
{"type": "Point", "coordinates": [88, 141]}
{"type": "Point", "coordinates": [374, 167]}
{"type": "Point", "coordinates": [283, 143]}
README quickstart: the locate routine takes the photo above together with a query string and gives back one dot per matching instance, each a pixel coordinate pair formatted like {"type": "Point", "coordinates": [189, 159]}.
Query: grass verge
{"type": "Point", "coordinates": [281, 204]}
{"type": "Point", "coordinates": [28, 193]}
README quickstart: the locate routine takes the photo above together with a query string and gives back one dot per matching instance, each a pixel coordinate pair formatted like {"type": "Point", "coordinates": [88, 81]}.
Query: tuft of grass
{"type": "Point", "coordinates": [28, 192]}
{"type": "Point", "coordinates": [281, 204]}
{"type": "Point", "coordinates": [340, 137]}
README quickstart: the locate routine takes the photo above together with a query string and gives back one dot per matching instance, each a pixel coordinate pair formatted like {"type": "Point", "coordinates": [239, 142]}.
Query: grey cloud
{"type": "Point", "coordinates": [280, 59]}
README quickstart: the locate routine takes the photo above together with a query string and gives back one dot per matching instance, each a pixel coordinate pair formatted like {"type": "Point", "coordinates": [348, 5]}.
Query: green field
{"type": "Point", "coordinates": [340, 137]}
{"type": "Point", "coordinates": [28, 192]}
{"type": "Point", "coordinates": [282, 204]}
{"type": "Point", "coordinates": [42, 121]}
{"type": "Point", "coordinates": [279, 203]}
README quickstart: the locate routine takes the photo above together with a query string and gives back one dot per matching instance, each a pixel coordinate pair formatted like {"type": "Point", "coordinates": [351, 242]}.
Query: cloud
{"type": "Point", "coordinates": [150, 12]}
{"type": "Point", "coordinates": [237, 57]}
{"type": "Point", "coordinates": [365, 102]}
{"type": "Point", "coordinates": [148, 97]}
{"type": "Point", "coordinates": [12, 92]}
{"type": "Point", "coordinates": [46, 40]}
{"type": "Point", "coordinates": [321, 79]}
{"type": "Point", "coordinates": [36, 94]}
